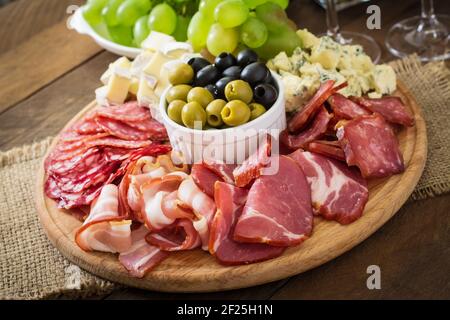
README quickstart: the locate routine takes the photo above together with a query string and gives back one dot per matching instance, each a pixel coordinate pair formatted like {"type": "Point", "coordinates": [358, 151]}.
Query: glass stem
{"type": "Point", "coordinates": [333, 29]}
{"type": "Point", "coordinates": [427, 9]}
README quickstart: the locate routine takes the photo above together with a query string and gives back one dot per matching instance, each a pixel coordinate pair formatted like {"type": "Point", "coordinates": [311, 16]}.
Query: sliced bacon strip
{"type": "Point", "coordinates": [301, 118]}
{"type": "Point", "coordinates": [229, 201]}
{"type": "Point", "coordinates": [179, 236]}
{"type": "Point", "coordinates": [315, 130]}
{"type": "Point", "coordinates": [278, 209]}
{"type": "Point", "coordinates": [104, 229]}
{"type": "Point", "coordinates": [391, 108]}
{"type": "Point", "coordinates": [369, 143]}
{"type": "Point", "coordinates": [338, 192]}
{"type": "Point", "coordinates": [173, 209]}
{"type": "Point", "coordinates": [344, 108]}
{"type": "Point", "coordinates": [204, 178]}
{"type": "Point", "coordinates": [141, 256]}
{"type": "Point", "coordinates": [253, 166]}
{"type": "Point", "coordinates": [331, 149]}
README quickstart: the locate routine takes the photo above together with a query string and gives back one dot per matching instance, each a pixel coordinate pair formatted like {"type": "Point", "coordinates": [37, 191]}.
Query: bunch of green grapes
{"type": "Point", "coordinates": [129, 22]}
{"type": "Point", "coordinates": [225, 25]}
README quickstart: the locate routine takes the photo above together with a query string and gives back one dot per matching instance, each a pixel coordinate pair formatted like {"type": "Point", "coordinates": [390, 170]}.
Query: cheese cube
{"type": "Point", "coordinates": [308, 39]}
{"type": "Point", "coordinates": [156, 40]}
{"type": "Point", "coordinates": [384, 79]}
{"type": "Point", "coordinates": [176, 49]}
{"type": "Point", "coordinates": [153, 68]}
{"type": "Point", "coordinates": [326, 52]}
{"type": "Point", "coordinates": [122, 62]}
{"type": "Point", "coordinates": [145, 94]}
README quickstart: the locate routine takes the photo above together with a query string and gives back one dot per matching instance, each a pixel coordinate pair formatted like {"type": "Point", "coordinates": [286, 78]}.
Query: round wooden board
{"type": "Point", "coordinates": [197, 271]}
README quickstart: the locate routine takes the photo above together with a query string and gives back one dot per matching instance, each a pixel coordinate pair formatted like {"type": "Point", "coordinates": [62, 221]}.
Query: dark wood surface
{"type": "Point", "coordinates": [55, 71]}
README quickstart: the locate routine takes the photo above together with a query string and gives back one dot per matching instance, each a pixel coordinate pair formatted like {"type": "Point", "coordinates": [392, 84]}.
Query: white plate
{"type": "Point", "coordinates": [78, 23]}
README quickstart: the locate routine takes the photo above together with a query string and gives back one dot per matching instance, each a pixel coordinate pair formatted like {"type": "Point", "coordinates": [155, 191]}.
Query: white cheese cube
{"type": "Point", "coordinates": [156, 40]}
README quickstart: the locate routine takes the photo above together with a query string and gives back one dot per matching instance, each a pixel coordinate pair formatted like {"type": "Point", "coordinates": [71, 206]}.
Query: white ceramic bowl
{"type": "Point", "coordinates": [78, 23]}
{"type": "Point", "coordinates": [231, 145]}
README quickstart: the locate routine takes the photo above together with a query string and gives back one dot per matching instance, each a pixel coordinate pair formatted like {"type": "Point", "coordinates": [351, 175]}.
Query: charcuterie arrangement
{"type": "Point", "coordinates": [117, 171]}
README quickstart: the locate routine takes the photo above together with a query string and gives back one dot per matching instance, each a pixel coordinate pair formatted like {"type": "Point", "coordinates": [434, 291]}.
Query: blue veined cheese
{"type": "Point", "coordinates": [298, 91]}
{"type": "Point", "coordinates": [281, 62]}
{"type": "Point", "coordinates": [357, 83]}
{"type": "Point", "coordinates": [308, 39]}
{"type": "Point", "coordinates": [298, 59]}
{"type": "Point", "coordinates": [384, 79]}
{"type": "Point", "coordinates": [326, 52]}
{"type": "Point", "coordinates": [323, 75]}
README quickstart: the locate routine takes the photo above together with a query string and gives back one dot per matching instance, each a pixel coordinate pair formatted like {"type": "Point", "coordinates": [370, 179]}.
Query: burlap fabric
{"type": "Point", "coordinates": [31, 268]}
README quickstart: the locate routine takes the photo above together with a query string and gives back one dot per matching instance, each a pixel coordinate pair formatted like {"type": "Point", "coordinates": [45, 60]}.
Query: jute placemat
{"type": "Point", "coordinates": [31, 268]}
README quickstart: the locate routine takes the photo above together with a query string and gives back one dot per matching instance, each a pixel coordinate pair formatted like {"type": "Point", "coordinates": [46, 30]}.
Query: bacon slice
{"type": "Point", "coordinates": [179, 236]}
{"type": "Point", "coordinates": [301, 118]}
{"type": "Point", "coordinates": [344, 108]}
{"type": "Point", "coordinates": [278, 209]}
{"type": "Point", "coordinates": [338, 192]}
{"type": "Point", "coordinates": [253, 166]}
{"type": "Point", "coordinates": [315, 130]}
{"type": "Point", "coordinates": [104, 229]}
{"type": "Point", "coordinates": [331, 149]}
{"type": "Point", "coordinates": [141, 256]}
{"type": "Point", "coordinates": [369, 143]}
{"type": "Point", "coordinates": [391, 108]}
{"type": "Point", "coordinates": [204, 178]}
{"type": "Point", "coordinates": [229, 201]}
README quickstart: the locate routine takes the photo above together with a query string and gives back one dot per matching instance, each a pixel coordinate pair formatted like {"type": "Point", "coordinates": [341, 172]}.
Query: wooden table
{"type": "Point", "coordinates": [48, 73]}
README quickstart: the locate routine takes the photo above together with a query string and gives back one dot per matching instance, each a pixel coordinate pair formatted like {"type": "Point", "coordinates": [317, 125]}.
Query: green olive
{"type": "Point", "coordinates": [235, 113]}
{"type": "Point", "coordinates": [193, 115]}
{"type": "Point", "coordinates": [174, 110]}
{"type": "Point", "coordinates": [200, 95]}
{"type": "Point", "coordinates": [178, 92]}
{"type": "Point", "coordinates": [239, 90]}
{"type": "Point", "coordinates": [213, 110]}
{"type": "Point", "coordinates": [181, 74]}
{"type": "Point", "coordinates": [256, 110]}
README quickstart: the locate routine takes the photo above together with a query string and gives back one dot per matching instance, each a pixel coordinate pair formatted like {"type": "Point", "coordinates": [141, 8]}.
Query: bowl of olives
{"type": "Point", "coordinates": [228, 104]}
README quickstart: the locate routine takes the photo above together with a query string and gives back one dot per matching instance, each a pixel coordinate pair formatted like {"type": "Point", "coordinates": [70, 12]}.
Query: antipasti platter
{"type": "Point", "coordinates": [221, 166]}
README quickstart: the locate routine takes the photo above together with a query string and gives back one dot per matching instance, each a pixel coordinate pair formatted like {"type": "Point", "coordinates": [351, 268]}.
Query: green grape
{"type": "Point", "coordinates": [207, 7]}
{"type": "Point", "coordinates": [285, 40]}
{"type": "Point", "coordinates": [231, 13]}
{"type": "Point", "coordinates": [141, 30]}
{"type": "Point", "coordinates": [198, 29]}
{"type": "Point", "coordinates": [272, 15]}
{"type": "Point", "coordinates": [253, 33]}
{"type": "Point", "coordinates": [180, 33]}
{"type": "Point", "coordinates": [162, 19]}
{"type": "Point", "coordinates": [282, 3]}
{"type": "Point", "coordinates": [109, 15]}
{"type": "Point", "coordinates": [122, 35]}
{"type": "Point", "coordinates": [252, 4]}
{"type": "Point", "coordinates": [128, 13]}
{"type": "Point", "coordinates": [221, 39]}
{"type": "Point", "coordinates": [144, 5]}
{"type": "Point", "coordinates": [92, 11]}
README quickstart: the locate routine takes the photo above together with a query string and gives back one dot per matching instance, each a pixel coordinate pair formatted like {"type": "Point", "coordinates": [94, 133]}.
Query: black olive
{"type": "Point", "coordinates": [207, 75]}
{"type": "Point", "coordinates": [198, 63]}
{"type": "Point", "coordinates": [225, 60]}
{"type": "Point", "coordinates": [246, 57]}
{"type": "Point", "coordinates": [220, 85]}
{"type": "Point", "coordinates": [212, 88]}
{"type": "Point", "coordinates": [234, 71]}
{"type": "Point", "coordinates": [266, 94]}
{"type": "Point", "coordinates": [255, 73]}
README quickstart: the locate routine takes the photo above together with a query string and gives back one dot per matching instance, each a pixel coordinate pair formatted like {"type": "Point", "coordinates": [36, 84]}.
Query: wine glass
{"type": "Point", "coordinates": [427, 35]}
{"type": "Point", "coordinates": [369, 45]}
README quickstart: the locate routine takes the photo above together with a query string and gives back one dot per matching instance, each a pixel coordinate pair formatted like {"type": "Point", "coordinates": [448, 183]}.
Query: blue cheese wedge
{"type": "Point", "coordinates": [384, 79]}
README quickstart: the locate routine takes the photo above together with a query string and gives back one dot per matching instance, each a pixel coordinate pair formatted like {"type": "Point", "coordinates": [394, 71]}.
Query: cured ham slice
{"type": "Point", "coordinates": [344, 108]}
{"type": "Point", "coordinates": [104, 229]}
{"type": "Point", "coordinates": [254, 165]}
{"type": "Point", "coordinates": [223, 170]}
{"type": "Point", "coordinates": [391, 108]}
{"type": "Point", "coordinates": [315, 130]}
{"type": "Point", "coordinates": [141, 257]}
{"type": "Point", "coordinates": [369, 143]}
{"type": "Point", "coordinates": [204, 178]}
{"type": "Point", "coordinates": [179, 236]}
{"type": "Point", "coordinates": [229, 201]}
{"type": "Point", "coordinates": [301, 118]}
{"type": "Point", "coordinates": [337, 191]}
{"type": "Point", "coordinates": [278, 209]}
{"type": "Point", "coordinates": [201, 204]}
{"type": "Point", "coordinates": [331, 149]}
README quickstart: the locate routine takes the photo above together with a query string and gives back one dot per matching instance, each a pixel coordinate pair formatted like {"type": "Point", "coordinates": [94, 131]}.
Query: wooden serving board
{"type": "Point", "coordinates": [197, 271]}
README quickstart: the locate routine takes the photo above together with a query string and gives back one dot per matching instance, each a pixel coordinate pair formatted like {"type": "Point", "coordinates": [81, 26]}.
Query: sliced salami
{"type": "Point", "coordinates": [344, 108]}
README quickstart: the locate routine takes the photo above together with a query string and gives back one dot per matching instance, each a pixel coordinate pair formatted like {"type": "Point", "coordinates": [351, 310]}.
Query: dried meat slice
{"type": "Point", "coordinates": [254, 165]}
{"type": "Point", "coordinates": [338, 192]}
{"type": "Point", "coordinates": [204, 178]}
{"type": "Point", "coordinates": [229, 201]}
{"type": "Point", "coordinates": [344, 108]}
{"type": "Point", "coordinates": [278, 209]}
{"type": "Point", "coordinates": [141, 257]}
{"type": "Point", "coordinates": [128, 112]}
{"type": "Point", "coordinates": [301, 118]}
{"type": "Point", "coordinates": [370, 144]}
{"type": "Point", "coordinates": [121, 130]}
{"type": "Point", "coordinates": [331, 149]}
{"type": "Point", "coordinates": [155, 129]}
{"type": "Point", "coordinates": [221, 169]}
{"type": "Point", "coordinates": [104, 229]}
{"type": "Point", "coordinates": [391, 108]}
{"type": "Point", "coordinates": [315, 130]}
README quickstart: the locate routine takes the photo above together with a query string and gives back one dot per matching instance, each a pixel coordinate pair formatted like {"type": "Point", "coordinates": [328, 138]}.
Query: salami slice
{"type": "Point", "coordinates": [122, 130]}
{"type": "Point", "coordinates": [344, 108]}
{"type": "Point", "coordinates": [128, 112]}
